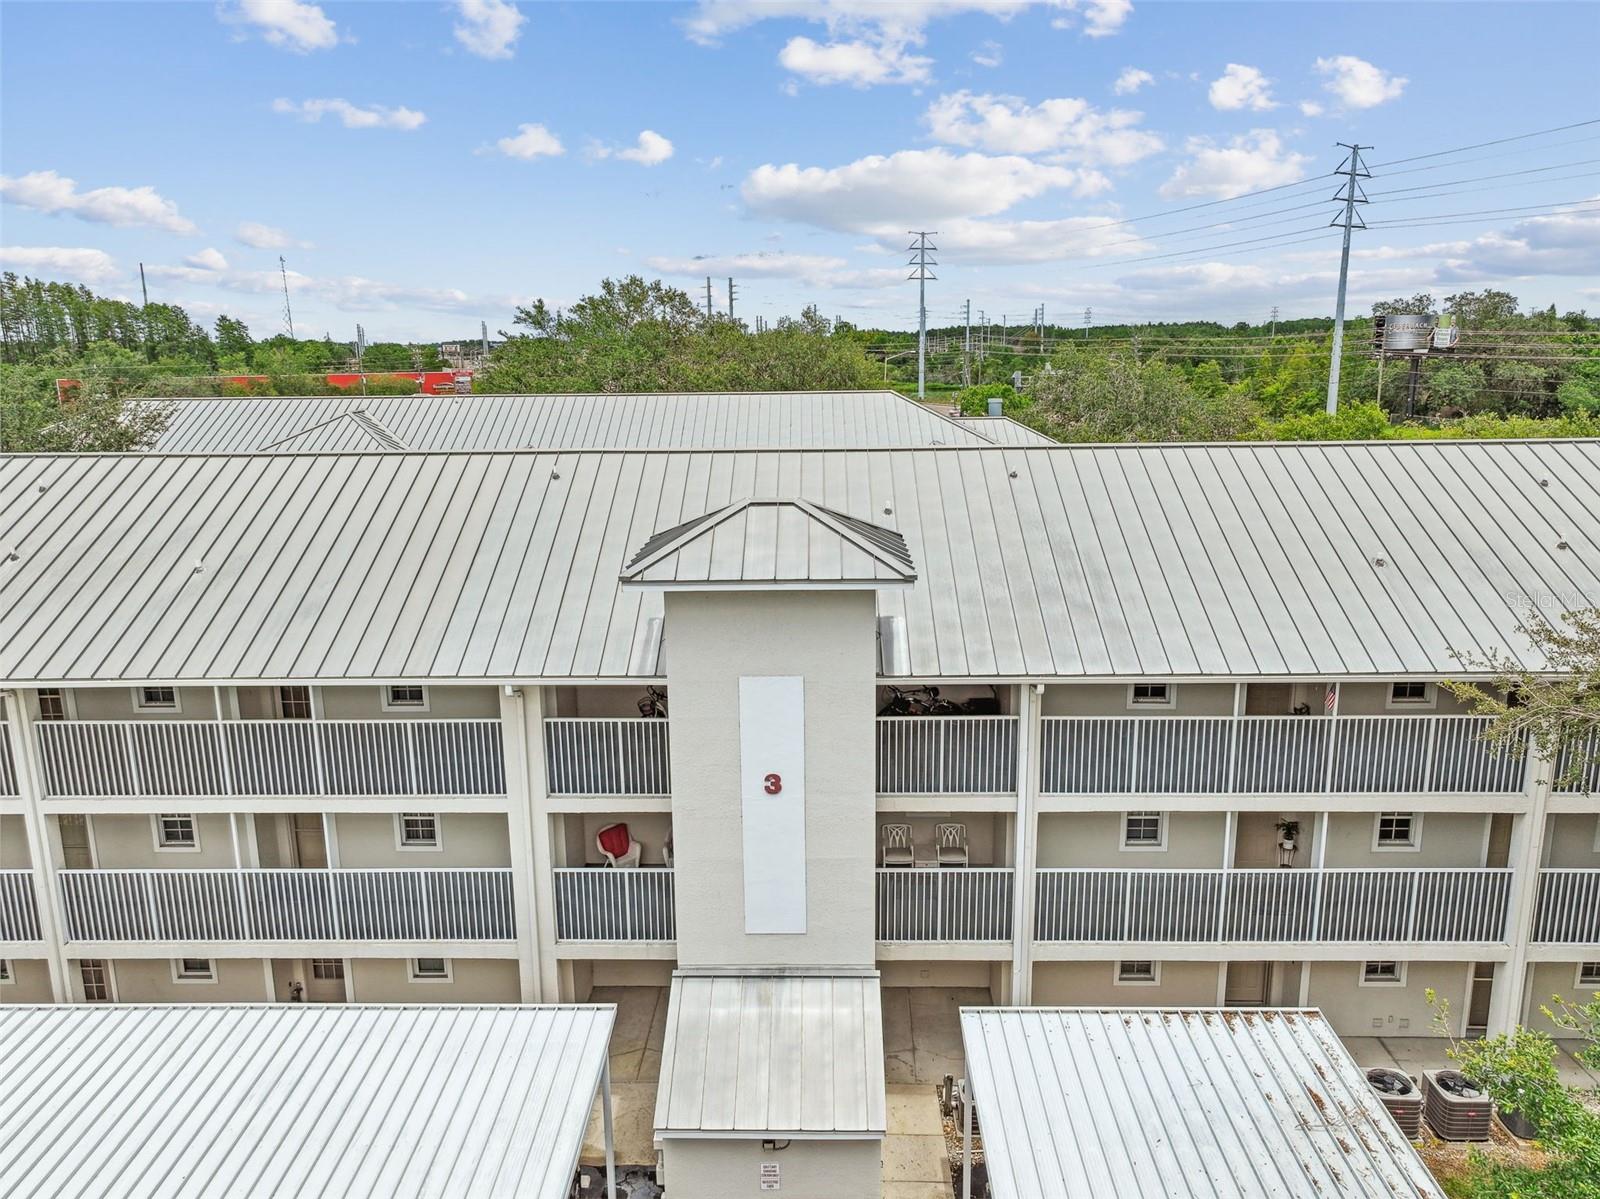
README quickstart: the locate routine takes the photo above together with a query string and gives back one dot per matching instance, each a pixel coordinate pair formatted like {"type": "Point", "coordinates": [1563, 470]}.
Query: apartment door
{"type": "Point", "coordinates": [1256, 841]}
{"type": "Point", "coordinates": [1248, 985]}
{"type": "Point", "coordinates": [1478, 999]}
{"type": "Point", "coordinates": [310, 842]}
{"type": "Point", "coordinates": [76, 852]}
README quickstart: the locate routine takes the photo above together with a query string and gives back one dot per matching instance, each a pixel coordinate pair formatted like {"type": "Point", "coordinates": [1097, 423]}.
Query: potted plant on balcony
{"type": "Point", "coordinates": [1288, 841]}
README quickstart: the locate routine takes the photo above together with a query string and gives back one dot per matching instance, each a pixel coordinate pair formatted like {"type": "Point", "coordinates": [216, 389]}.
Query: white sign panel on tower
{"type": "Point", "coordinates": [772, 790]}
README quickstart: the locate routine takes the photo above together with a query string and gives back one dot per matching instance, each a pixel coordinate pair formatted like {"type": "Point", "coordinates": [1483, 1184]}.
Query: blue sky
{"type": "Point", "coordinates": [422, 166]}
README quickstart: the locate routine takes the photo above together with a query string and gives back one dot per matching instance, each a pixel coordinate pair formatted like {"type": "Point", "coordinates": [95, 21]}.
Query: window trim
{"type": "Point", "coordinates": [8, 972]}
{"type": "Point", "coordinates": [1577, 977]}
{"type": "Point", "coordinates": [1153, 981]}
{"type": "Point", "coordinates": [69, 704]}
{"type": "Point", "coordinates": [1157, 846]}
{"type": "Point", "coordinates": [1428, 702]}
{"type": "Point", "coordinates": [155, 832]}
{"type": "Point", "coordinates": [176, 706]}
{"type": "Point", "coordinates": [1399, 979]}
{"type": "Point", "coordinates": [1142, 705]}
{"type": "Point", "coordinates": [278, 704]}
{"type": "Point", "coordinates": [327, 978]}
{"type": "Point", "coordinates": [1415, 844]}
{"type": "Point", "coordinates": [447, 976]}
{"type": "Point", "coordinates": [390, 706]}
{"type": "Point", "coordinates": [106, 965]}
{"type": "Point", "coordinates": [182, 979]}
{"type": "Point", "coordinates": [400, 833]}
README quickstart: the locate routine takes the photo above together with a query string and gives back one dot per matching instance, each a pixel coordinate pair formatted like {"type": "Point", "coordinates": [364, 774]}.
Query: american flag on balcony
{"type": "Point", "coordinates": [1330, 700]}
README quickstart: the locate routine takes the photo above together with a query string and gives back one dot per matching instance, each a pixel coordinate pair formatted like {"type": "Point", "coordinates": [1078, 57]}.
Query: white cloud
{"type": "Point", "coordinates": [1240, 86]}
{"type": "Point", "coordinates": [818, 270]}
{"type": "Point", "coordinates": [1310, 108]}
{"type": "Point", "coordinates": [287, 24]}
{"type": "Point", "coordinates": [208, 259]}
{"type": "Point", "coordinates": [857, 63]}
{"type": "Point", "coordinates": [990, 54]}
{"type": "Point", "coordinates": [1357, 83]}
{"type": "Point", "coordinates": [352, 116]}
{"type": "Point", "coordinates": [1131, 80]}
{"type": "Point", "coordinates": [1070, 127]}
{"type": "Point", "coordinates": [127, 207]}
{"type": "Point", "coordinates": [1005, 242]}
{"type": "Point", "coordinates": [1101, 18]}
{"type": "Point", "coordinates": [651, 149]}
{"type": "Point", "coordinates": [267, 237]}
{"type": "Point", "coordinates": [1248, 162]}
{"type": "Point", "coordinates": [351, 293]}
{"type": "Point", "coordinates": [489, 28]}
{"type": "Point", "coordinates": [1563, 243]}
{"type": "Point", "coordinates": [886, 194]}
{"type": "Point", "coordinates": [531, 141]}
{"type": "Point", "coordinates": [61, 262]}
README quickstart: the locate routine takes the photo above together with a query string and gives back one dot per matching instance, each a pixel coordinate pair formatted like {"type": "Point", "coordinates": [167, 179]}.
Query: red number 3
{"type": "Point", "coordinates": [773, 784]}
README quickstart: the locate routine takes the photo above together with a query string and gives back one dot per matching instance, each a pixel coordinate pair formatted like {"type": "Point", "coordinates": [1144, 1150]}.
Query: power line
{"type": "Point", "coordinates": [1548, 205]}
{"type": "Point", "coordinates": [1581, 162]}
{"type": "Point", "coordinates": [1499, 141]}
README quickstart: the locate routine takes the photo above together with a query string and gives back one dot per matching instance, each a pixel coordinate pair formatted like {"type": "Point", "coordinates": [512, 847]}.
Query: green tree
{"type": "Point", "coordinates": [1089, 396]}
{"type": "Point", "coordinates": [1459, 385]}
{"type": "Point", "coordinates": [387, 356]}
{"type": "Point", "coordinates": [233, 341]}
{"type": "Point", "coordinates": [1421, 302]}
{"type": "Point", "coordinates": [1482, 309]}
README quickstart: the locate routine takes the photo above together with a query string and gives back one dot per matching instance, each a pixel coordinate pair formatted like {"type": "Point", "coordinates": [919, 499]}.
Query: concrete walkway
{"type": "Point", "coordinates": [921, 1044]}
{"type": "Point", "coordinates": [636, 1041]}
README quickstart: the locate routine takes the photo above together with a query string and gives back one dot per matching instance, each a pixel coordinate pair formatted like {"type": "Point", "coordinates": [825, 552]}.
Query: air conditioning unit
{"type": "Point", "coordinates": [1455, 1108]}
{"type": "Point", "coordinates": [1399, 1094]}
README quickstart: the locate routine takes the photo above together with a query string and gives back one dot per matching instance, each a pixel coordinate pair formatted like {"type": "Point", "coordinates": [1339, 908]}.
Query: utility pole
{"type": "Point", "coordinates": [361, 352]}
{"type": "Point", "coordinates": [1350, 192]}
{"type": "Point", "coordinates": [708, 297]}
{"type": "Point", "coordinates": [1274, 320]}
{"type": "Point", "coordinates": [920, 262]}
{"type": "Point", "coordinates": [288, 313]}
{"type": "Point", "coordinates": [483, 327]}
{"type": "Point", "coordinates": [144, 315]}
{"type": "Point", "coordinates": [732, 291]}
{"type": "Point", "coordinates": [966, 350]}
{"type": "Point", "coordinates": [1088, 319]}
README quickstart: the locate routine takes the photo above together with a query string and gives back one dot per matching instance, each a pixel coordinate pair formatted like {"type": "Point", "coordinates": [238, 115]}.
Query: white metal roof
{"type": "Point", "coordinates": [727, 420]}
{"type": "Point", "coordinates": [1315, 560]}
{"type": "Point", "coordinates": [297, 1099]}
{"type": "Point", "coordinates": [1002, 430]}
{"type": "Point", "coordinates": [757, 1055]}
{"type": "Point", "coordinates": [1139, 1103]}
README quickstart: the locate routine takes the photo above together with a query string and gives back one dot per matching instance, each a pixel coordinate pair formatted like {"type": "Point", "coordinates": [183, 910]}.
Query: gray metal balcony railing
{"type": "Point", "coordinates": [1588, 780]}
{"type": "Point", "coordinates": [1316, 906]}
{"type": "Point", "coordinates": [460, 904]}
{"type": "Point", "coordinates": [947, 755]}
{"type": "Point", "coordinates": [8, 765]}
{"type": "Point", "coordinates": [953, 904]}
{"type": "Point", "coordinates": [1156, 755]}
{"type": "Point", "coordinates": [1567, 910]}
{"type": "Point", "coordinates": [87, 759]}
{"type": "Point", "coordinates": [602, 904]}
{"type": "Point", "coordinates": [607, 756]}
{"type": "Point", "coordinates": [19, 914]}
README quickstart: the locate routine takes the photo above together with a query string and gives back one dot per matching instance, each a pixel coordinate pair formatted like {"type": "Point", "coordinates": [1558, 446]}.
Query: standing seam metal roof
{"type": "Point", "coordinates": [387, 1102]}
{"type": "Point", "coordinates": [1081, 1103]}
{"type": "Point", "coordinates": [1315, 560]}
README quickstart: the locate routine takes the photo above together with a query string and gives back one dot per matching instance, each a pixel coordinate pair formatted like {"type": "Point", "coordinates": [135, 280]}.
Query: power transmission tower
{"type": "Point", "coordinates": [1274, 320]}
{"type": "Point", "coordinates": [288, 313]}
{"type": "Point", "coordinates": [708, 297]}
{"type": "Point", "coordinates": [732, 291]}
{"type": "Point", "coordinates": [1350, 192]}
{"type": "Point", "coordinates": [920, 262]}
{"type": "Point", "coordinates": [1088, 319]}
{"type": "Point", "coordinates": [361, 351]}
{"type": "Point", "coordinates": [483, 327]}
{"type": "Point", "coordinates": [966, 349]}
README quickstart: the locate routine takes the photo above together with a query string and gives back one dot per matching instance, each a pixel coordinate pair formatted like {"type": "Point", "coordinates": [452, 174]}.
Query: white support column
{"type": "Point", "coordinates": [609, 1133]}
{"type": "Point", "coordinates": [41, 857]}
{"type": "Point", "coordinates": [528, 826]}
{"type": "Point", "coordinates": [1025, 851]}
{"type": "Point", "coordinates": [1507, 1004]}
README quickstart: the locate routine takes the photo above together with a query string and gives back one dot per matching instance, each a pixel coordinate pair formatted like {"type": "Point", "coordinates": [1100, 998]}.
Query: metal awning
{"type": "Point", "coordinates": [1135, 1103]}
{"type": "Point", "coordinates": [298, 1099]}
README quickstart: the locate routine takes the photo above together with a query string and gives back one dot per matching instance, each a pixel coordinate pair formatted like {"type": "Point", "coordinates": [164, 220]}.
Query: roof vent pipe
{"type": "Point", "coordinates": [995, 405]}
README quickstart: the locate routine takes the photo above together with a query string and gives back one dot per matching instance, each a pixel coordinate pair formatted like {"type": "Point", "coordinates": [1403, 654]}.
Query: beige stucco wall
{"type": "Point", "coordinates": [30, 982]}
{"type": "Point", "coordinates": [473, 980]}
{"type": "Point", "coordinates": [444, 703]}
{"type": "Point", "coordinates": [829, 639]}
{"type": "Point", "coordinates": [707, 1169]}
{"type": "Point", "coordinates": [1570, 839]}
{"type": "Point", "coordinates": [1089, 839]}
{"type": "Point", "coordinates": [933, 973]}
{"type": "Point", "coordinates": [620, 700]}
{"type": "Point", "coordinates": [127, 842]}
{"type": "Point", "coordinates": [1548, 980]}
{"type": "Point", "coordinates": [370, 840]}
{"type": "Point", "coordinates": [1071, 984]}
{"type": "Point", "coordinates": [149, 980]}
{"type": "Point", "coordinates": [1372, 699]}
{"type": "Point", "coordinates": [1448, 839]}
{"type": "Point", "coordinates": [1388, 1011]}
{"type": "Point", "coordinates": [13, 844]}
{"type": "Point", "coordinates": [117, 703]}
{"type": "Point", "coordinates": [1111, 699]}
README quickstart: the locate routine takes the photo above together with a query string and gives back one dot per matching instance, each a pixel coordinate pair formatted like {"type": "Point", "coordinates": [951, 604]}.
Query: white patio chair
{"type": "Point", "coordinates": [611, 840]}
{"type": "Point", "coordinates": [952, 844]}
{"type": "Point", "coordinates": [895, 845]}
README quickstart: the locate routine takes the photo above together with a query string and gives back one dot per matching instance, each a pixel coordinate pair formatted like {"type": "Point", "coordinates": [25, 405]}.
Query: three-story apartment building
{"type": "Point", "coordinates": [389, 725]}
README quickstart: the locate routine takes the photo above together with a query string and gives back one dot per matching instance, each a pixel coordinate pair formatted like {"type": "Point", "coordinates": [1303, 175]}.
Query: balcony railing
{"type": "Point", "coordinates": [1377, 905]}
{"type": "Point", "coordinates": [1588, 780]}
{"type": "Point", "coordinates": [288, 905]}
{"type": "Point", "coordinates": [85, 759]}
{"type": "Point", "coordinates": [954, 904]}
{"type": "Point", "coordinates": [8, 766]}
{"type": "Point", "coordinates": [606, 756]}
{"type": "Point", "coordinates": [947, 755]}
{"type": "Point", "coordinates": [19, 915]}
{"type": "Point", "coordinates": [1154, 755]}
{"type": "Point", "coordinates": [615, 905]}
{"type": "Point", "coordinates": [1567, 911]}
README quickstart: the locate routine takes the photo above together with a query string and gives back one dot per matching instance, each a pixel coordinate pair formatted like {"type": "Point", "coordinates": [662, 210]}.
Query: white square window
{"type": "Point", "coordinates": [1144, 830]}
{"type": "Point", "coordinates": [6, 976]}
{"type": "Point", "coordinates": [1383, 974]}
{"type": "Point", "coordinates": [418, 830]}
{"type": "Point", "coordinates": [52, 703]}
{"type": "Point", "coordinates": [1138, 974]}
{"type": "Point", "coordinates": [1397, 831]}
{"type": "Point", "coordinates": [96, 976]}
{"type": "Point", "coordinates": [1412, 693]}
{"type": "Point", "coordinates": [193, 970]}
{"type": "Point", "coordinates": [294, 703]}
{"type": "Point", "coordinates": [430, 970]}
{"type": "Point", "coordinates": [176, 830]}
{"type": "Point", "coordinates": [1589, 974]}
{"type": "Point", "coordinates": [327, 969]}
{"type": "Point", "coordinates": [405, 698]}
{"type": "Point", "coordinates": [1152, 695]}
{"type": "Point", "coordinates": [163, 699]}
